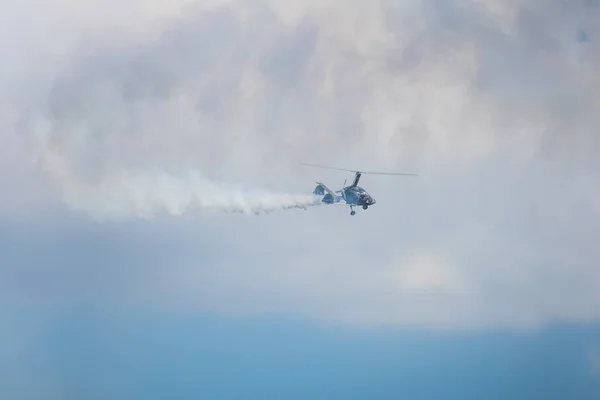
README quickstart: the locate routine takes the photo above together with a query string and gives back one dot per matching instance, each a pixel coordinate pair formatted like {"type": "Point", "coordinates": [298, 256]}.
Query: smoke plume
{"type": "Point", "coordinates": [144, 193]}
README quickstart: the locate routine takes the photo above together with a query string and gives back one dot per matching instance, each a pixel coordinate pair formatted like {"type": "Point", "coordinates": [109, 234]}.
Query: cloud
{"type": "Point", "coordinates": [493, 103]}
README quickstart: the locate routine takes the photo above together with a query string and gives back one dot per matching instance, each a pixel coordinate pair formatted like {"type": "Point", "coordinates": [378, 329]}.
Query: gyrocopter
{"type": "Point", "coordinates": [352, 195]}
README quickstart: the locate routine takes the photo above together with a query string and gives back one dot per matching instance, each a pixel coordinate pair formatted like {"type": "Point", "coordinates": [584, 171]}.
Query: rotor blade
{"type": "Point", "coordinates": [323, 166]}
{"type": "Point", "coordinates": [388, 173]}
{"type": "Point", "coordinates": [362, 172]}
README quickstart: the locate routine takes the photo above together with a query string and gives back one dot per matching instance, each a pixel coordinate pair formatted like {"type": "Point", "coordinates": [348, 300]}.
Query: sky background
{"type": "Point", "coordinates": [130, 131]}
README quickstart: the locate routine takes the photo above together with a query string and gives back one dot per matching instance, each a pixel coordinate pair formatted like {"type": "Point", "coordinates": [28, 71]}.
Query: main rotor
{"type": "Point", "coordinates": [359, 172]}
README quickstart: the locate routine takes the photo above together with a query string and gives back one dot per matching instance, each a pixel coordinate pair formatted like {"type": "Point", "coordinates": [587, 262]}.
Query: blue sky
{"type": "Point", "coordinates": [129, 134]}
{"type": "Point", "coordinates": [90, 352]}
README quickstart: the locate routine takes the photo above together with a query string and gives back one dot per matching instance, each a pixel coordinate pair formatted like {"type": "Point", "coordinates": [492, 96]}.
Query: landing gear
{"type": "Point", "coordinates": [352, 212]}
{"type": "Point", "coordinates": [365, 207]}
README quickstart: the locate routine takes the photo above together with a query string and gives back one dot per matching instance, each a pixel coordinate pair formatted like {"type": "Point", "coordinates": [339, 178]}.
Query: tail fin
{"type": "Point", "coordinates": [329, 197]}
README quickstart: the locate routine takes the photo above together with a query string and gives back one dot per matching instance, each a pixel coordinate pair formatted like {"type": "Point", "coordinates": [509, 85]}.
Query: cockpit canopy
{"type": "Point", "coordinates": [362, 192]}
{"type": "Point", "coordinates": [364, 196]}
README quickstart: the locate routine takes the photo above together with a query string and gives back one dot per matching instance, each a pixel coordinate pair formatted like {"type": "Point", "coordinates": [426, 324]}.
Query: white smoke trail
{"type": "Point", "coordinates": [123, 194]}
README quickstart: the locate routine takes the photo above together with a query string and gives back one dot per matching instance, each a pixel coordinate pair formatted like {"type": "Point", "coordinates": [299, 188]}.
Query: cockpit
{"type": "Point", "coordinates": [366, 197]}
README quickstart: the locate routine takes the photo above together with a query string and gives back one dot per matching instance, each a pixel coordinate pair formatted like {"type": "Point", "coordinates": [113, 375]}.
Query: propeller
{"type": "Point", "coordinates": [362, 172]}
{"type": "Point", "coordinates": [343, 193]}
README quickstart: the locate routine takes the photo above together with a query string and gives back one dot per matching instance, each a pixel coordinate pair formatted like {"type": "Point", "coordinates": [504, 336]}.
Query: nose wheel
{"type": "Point", "coordinates": [352, 212]}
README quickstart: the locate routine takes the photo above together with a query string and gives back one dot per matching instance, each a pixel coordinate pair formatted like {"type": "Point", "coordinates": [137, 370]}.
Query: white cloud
{"type": "Point", "coordinates": [494, 103]}
{"type": "Point", "coordinates": [427, 273]}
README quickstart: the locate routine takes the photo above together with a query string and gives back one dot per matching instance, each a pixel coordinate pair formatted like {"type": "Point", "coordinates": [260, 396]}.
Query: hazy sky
{"type": "Point", "coordinates": [127, 130]}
